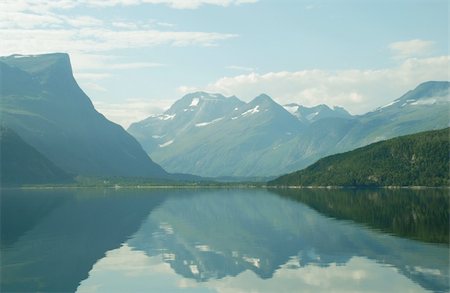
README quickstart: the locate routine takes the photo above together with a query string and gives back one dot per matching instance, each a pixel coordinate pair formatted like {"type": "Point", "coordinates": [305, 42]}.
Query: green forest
{"type": "Point", "coordinates": [420, 159]}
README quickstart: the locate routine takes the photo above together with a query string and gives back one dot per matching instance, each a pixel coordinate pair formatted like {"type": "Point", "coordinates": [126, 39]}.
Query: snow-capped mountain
{"type": "Point", "coordinates": [191, 112]}
{"type": "Point", "coordinates": [212, 135]}
{"type": "Point", "coordinates": [426, 107]}
{"type": "Point", "coordinates": [312, 114]}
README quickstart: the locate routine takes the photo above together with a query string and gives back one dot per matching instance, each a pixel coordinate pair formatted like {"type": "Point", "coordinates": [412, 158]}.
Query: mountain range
{"type": "Point", "coordinates": [203, 134]}
{"type": "Point", "coordinates": [43, 104]}
{"type": "Point", "coordinates": [212, 135]}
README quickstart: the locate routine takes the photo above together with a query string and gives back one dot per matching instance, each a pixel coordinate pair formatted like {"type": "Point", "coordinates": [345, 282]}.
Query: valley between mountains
{"type": "Point", "coordinates": [46, 117]}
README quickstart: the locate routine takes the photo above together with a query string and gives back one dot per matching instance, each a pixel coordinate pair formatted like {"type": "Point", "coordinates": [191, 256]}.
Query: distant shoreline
{"type": "Point", "coordinates": [218, 186]}
{"type": "Point", "coordinates": [357, 187]}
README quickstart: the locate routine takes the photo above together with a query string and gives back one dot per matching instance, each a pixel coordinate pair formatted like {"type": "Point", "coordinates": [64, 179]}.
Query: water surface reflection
{"type": "Point", "coordinates": [51, 239]}
{"type": "Point", "coordinates": [223, 241]}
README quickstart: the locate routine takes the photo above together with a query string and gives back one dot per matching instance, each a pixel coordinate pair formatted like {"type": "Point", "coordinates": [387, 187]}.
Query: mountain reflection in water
{"type": "Point", "coordinates": [225, 240]}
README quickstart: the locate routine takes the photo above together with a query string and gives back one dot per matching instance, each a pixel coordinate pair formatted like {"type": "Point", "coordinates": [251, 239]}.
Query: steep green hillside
{"type": "Point", "coordinates": [41, 101]}
{"type": "Point", "coordinates": [20, 163]}
{"type": "Point", "coordinates": [415, 160]}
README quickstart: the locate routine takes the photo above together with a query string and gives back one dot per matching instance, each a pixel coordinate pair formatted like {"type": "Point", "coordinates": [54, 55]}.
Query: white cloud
{"type": "Point", "coordinates": [87, 61]}
{"type": "Point", "coordinates": [151, 23]}
{"type": "Point", "coordinates": [135, 65]}
{"type": "Point", "coordinates": [91, 76]}
{"type": "Point", "coordinates": [357, 90]}
{"type": "Point", "coordinates": [186, 89]}
{"type": "Point", "coordinates": [165, 24]}
{"type": "Point", "coordinates": [240, 68]}
{"type": "Point", "coordinates": [47, 5]}
{"type": "Point", "coordinates": [83, 21]}
{"type": "Point", "coordinates": [194, 4]}
{"type": "Point", "coordinates": [131, 110]}
{"type": "Point", "coordinates": [124, 25]}
{"type": "Point", "coordinates": [411, 48]}
{"type": "Point", "coordinates": [37, 27]}
{"type": "Point", "coordinates": [94, 87]}
{"type": "Point", "coordinates": [23, 41]}
{"type": "Point", "coordinates": [44, 26]}
{"type": "Point", "coordinates": [18, 19]}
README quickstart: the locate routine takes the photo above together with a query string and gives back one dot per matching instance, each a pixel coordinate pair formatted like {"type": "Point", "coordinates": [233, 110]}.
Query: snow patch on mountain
{"type": "Point", "coordinates": [22, 56]}
{"type": "Point", "coordinates": [166, 144]}
{"type": "Point", "coordinates": [251, 111]}
{"type": "Point", "coordinates": [194, 102]}
{"type": "Point", "coordinates": [208, 123]}
{"type": "Point", "coordinates": [312, 115]}
{"type": "Point", "coordinates": [387, 105]}
{"type": "Point", "coordinates": [166, 117]}
{"type": "Point", "coordinates": [431, 101]}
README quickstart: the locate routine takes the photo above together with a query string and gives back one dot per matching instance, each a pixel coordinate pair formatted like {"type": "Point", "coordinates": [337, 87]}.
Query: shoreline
{"type": "Point", "coordinates": [218, 186]}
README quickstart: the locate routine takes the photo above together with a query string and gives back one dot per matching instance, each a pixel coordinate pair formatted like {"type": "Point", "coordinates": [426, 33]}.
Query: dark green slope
{"type": "Point", "coordinates": [20, 163]}
{"type": "Point", "coordinates": [420, 159]}
{"type": "Point", "coordinates": [43, 103]}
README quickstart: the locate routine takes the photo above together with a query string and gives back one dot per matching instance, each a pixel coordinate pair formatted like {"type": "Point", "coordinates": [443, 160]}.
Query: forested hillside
{"type": "Point", "coordinates": [414, 160]}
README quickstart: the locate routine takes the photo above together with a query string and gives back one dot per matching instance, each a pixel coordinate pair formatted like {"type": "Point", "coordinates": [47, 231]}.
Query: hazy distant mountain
{"type": "Point", "coordinates": [20, 163]}
{"type": "Point", "coordinates": [191, 112]}
{"type": "Point", "coordinates": [228, 137]}
{"type": "Point", "coordinates": [41, 101]}
{"type": "Point", "coordinates": [210, 135]}
{"type": "Point", "coordinates": [419, 159]}
{"type": "Point", "coordinates": [427, 107]}
{"type": "Point", "coordinates": [313, 114]}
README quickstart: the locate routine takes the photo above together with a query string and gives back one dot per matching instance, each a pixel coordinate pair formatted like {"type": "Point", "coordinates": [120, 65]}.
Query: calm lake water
{"type": "Point", "coordinates": [224, 240]}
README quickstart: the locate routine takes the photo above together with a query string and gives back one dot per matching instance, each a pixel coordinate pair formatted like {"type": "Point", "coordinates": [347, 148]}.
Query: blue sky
{"type": "Point", "coordinates": [136, 57]}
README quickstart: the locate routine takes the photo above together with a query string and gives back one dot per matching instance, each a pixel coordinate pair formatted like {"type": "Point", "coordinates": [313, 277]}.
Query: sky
{"type": "Point", "coordinates": [135, 58]}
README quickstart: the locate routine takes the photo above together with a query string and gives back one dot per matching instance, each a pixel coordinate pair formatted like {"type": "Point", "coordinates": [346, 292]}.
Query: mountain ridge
{"type": "Point", "coordinates": [268, 139]}
{"type": "Point", "coordinates": [43, 103]}
{"type": "Point", "coordinates": [23, 164]}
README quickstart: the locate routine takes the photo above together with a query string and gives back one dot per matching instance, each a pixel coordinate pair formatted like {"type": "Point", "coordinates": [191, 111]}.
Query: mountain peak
{"type": "Point", "coordinates": [193, 102]}
{"type": "Point", "coordinates": [61, 122]}
{"type": "Point", "coordinates": [263, 100]}
{"type": "Point", "coordinates": [35, 64]}
{"type": "Point", "coordinates": [203, 95]}
{"type": "Point", "coordinates": [428, 89]}
{"type": "Point", "coordinates": [320, 107]}
{"type": "Point", "coordinates": [425, 94]}
{"type": "Point", "coordinates": [312, 114]}
{"type": "Point", "coordinates": [433, 84]}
